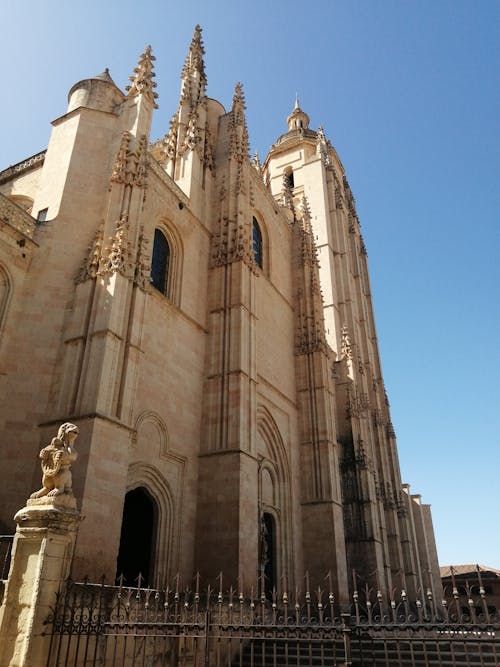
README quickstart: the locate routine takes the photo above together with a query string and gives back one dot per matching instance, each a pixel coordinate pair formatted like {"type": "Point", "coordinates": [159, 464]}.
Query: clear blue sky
{"type": "Point", "coordinates": [408, 94]}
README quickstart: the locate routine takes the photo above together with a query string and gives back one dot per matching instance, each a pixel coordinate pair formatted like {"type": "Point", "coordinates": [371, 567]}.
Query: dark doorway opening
{"type": "Point", "coordinates": [268, 553]}
{"type": "Point", "coordinates": [137, 539]}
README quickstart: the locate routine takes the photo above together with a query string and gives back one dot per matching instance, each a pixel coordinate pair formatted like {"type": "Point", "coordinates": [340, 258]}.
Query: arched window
{"type": "Point", "coordinates": [160, 263]}
{"type": "Point", "coordinates": [257, 243]}
{"type": "Point", "coordinates": [288, 179]}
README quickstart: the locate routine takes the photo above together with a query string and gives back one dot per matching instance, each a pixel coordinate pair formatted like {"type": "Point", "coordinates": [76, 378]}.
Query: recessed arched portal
{"type": "Point", "coordinates": [138, 537]}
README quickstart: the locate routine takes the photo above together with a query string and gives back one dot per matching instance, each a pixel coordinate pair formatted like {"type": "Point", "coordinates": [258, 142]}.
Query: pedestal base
{"type": "Point", "coordinates": [41, 560]}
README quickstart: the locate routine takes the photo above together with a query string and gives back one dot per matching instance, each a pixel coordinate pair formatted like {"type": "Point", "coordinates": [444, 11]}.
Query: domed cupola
{"type": "Point", "coordinates": [298, 119]}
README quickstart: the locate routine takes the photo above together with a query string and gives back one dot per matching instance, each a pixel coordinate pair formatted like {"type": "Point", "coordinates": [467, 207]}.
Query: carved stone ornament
{"type": "Point", "coordinates": [322, 148]}
{"type": "Point", "coordinates": [357, 403]}
{"type": "Point", "coordinates": [345, 344]}
{"type": "Point", "coordinates": [362, 247]}
{"type": "Point", "coordinates": [56, 463]}
{"type": "Point", "coordinates": [338, 195]}
{"type": "Point", "coordinates": [171, 137]}
{"type": "Point", "coordinates": [119, 173]}
{"type": "Point", "coordinates": [90, 265]}
{"type": "Point", "coordinates": [130, 167]}
{"type": "Point", "coordinates": [142, 276]}
{"type": "Point", "coordinates": [117, 255]}
{"type": "Point", "coordinates": [361, 456]}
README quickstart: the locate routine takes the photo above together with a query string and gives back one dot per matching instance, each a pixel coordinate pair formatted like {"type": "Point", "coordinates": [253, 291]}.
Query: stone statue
{"type": "Point", "coordinates": [56, 462]}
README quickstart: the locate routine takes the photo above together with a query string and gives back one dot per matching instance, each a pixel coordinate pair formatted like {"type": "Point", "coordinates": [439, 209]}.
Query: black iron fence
{"type": "Point", "coordinates": [111, 626]}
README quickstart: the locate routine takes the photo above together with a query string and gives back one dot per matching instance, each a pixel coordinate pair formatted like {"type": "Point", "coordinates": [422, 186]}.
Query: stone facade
{"type": "Point", "coordinates": [234, 379]}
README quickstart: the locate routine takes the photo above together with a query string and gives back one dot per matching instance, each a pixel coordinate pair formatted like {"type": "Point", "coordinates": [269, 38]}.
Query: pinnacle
{"type": "Point", "coordinates": [194, 59]}
{"type": "Point", "coordinates": [239, 96]}
{"type": "Point", "coordinates": [306, 212]}
{"type": "Point", "coordinates": [142, 80]}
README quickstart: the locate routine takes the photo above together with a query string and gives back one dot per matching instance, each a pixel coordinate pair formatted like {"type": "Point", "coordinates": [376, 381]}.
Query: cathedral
{"type": "Point", "coordinates": [206, 320]}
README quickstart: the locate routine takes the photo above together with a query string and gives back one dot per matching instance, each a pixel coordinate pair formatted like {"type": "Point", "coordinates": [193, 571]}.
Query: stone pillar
{"type": "Point", "coordinates": [41, 561]}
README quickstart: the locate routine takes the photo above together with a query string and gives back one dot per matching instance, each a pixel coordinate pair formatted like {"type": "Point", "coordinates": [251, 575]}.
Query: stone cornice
{"type": "Point", "coordinates": [22, 167]}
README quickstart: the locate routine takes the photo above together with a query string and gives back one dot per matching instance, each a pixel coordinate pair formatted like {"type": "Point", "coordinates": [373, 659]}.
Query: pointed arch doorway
{"type": "Point", "coordinates": [137, 538]}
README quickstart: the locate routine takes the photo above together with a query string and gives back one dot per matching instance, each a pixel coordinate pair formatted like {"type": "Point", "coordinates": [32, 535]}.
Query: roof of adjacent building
{"type": "Point", "coordinates": [445, 570]}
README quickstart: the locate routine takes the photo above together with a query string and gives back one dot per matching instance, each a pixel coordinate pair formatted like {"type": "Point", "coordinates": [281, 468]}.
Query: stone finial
{"type": "Point", "coordinates": [142, 80]}
{"type": "Point", "coordinates": [56, 463]}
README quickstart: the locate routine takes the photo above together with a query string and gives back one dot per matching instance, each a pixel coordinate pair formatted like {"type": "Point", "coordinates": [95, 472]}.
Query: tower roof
{"type": "Point", "coordinates": [105, 76]}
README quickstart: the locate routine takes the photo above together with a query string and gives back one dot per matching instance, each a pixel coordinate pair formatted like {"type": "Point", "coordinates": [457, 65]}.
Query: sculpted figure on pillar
{"type": "Point", "coordinates": [56, 463]}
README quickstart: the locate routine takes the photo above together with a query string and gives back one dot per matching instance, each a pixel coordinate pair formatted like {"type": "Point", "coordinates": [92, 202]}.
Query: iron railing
{"type": "Point", "coordinates": [216, 626]}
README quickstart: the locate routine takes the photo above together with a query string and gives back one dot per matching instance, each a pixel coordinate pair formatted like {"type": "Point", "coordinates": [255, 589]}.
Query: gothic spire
{"type": "Point", "coordinates": [142, 80]}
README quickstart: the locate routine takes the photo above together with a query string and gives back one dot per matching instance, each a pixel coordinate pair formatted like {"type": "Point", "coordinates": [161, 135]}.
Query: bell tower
{"type": "Point", "coordinates": [303, 163]}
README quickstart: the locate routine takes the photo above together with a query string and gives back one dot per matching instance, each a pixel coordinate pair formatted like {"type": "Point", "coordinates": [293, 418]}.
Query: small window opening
{"type": "Point", "coordinates": [42, 215]}
{"type": "Point", "coordinates": [288, 178]}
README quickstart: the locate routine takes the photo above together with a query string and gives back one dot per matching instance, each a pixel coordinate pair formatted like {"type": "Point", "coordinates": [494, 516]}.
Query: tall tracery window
{"type": "Point", "coordinates": [160, 262]}
{"type": "Point", "coordinates": [257, 243]}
